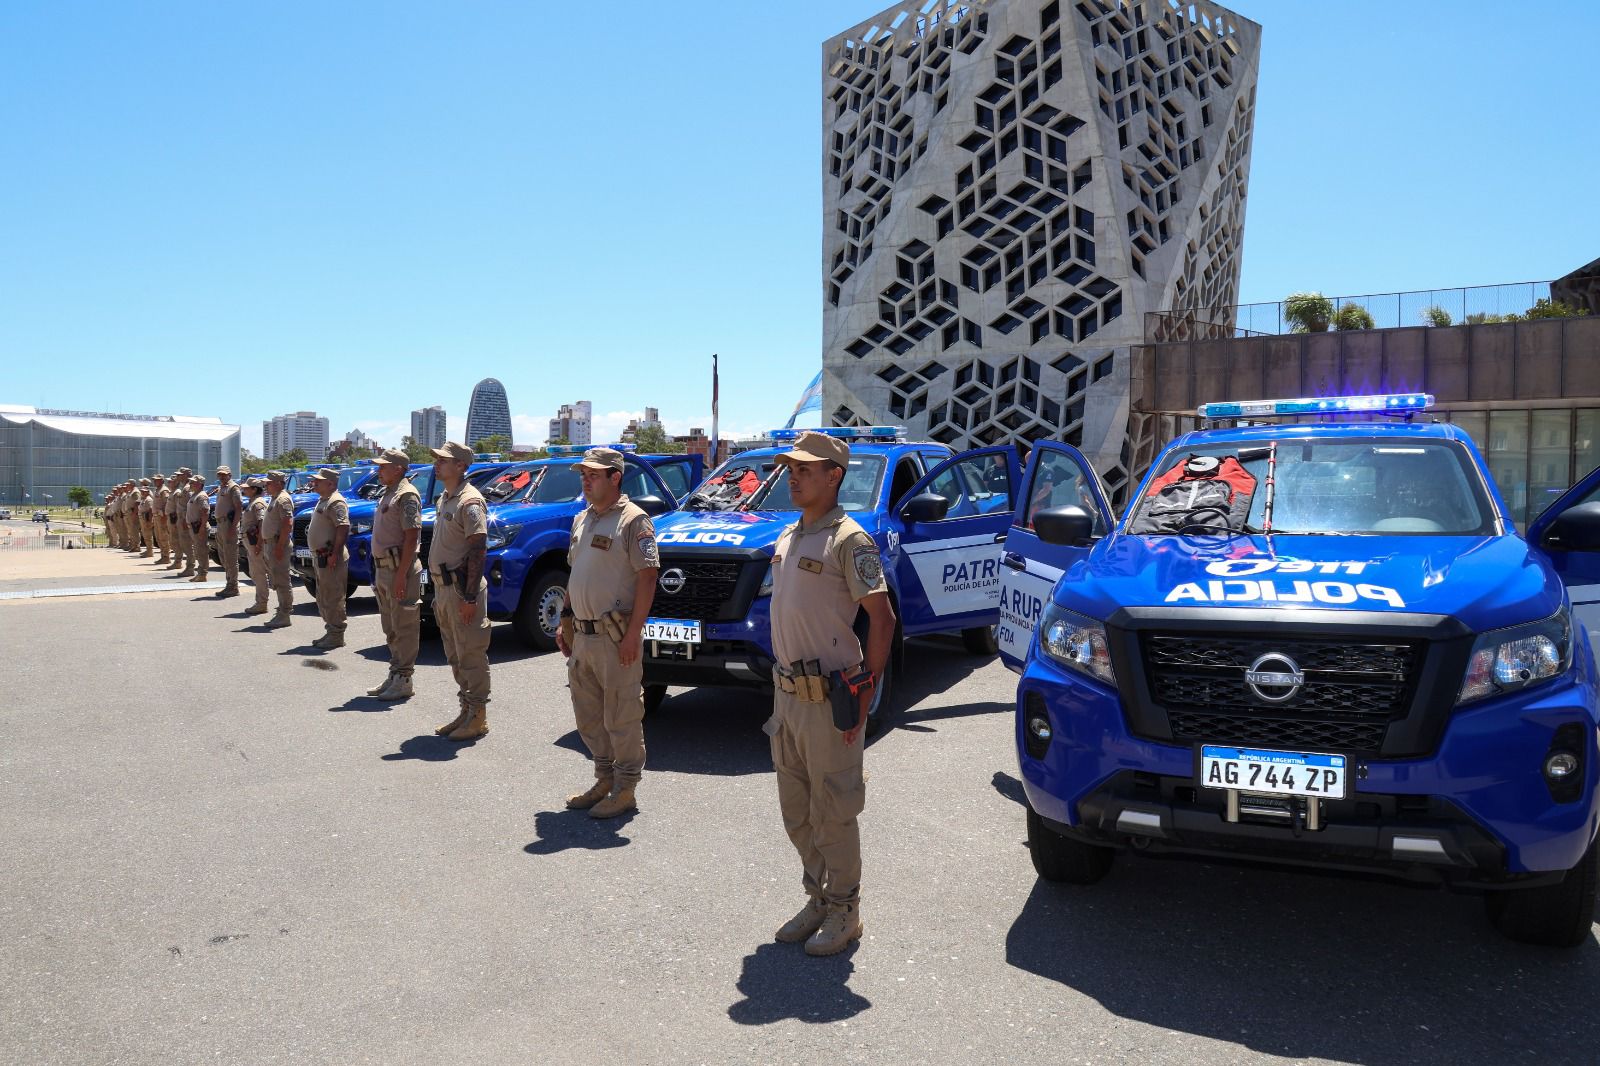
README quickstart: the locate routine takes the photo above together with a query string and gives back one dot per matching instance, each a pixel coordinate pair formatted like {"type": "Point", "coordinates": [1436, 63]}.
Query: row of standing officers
{"type": "Point", "coordinates": [825, 569]}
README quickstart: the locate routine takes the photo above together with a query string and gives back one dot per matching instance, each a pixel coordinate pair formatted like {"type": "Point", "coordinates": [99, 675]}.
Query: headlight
{"type": "Point", "coordinates": [357, 528]}
{"type": "Point", "coordinates": [1076, 642]}
{"type": "Point", "coordinates": [500, 536]}
{"type": "Point", "coordinates": [1505, 660]}
{"type": "Point", "coordinates": [766, 583]}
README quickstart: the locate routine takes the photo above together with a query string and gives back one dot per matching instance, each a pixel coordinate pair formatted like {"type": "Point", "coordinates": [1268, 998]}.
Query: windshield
{"type": "Point", "coordinates": [371, 490]}
{"type": "Point", "coordinates": [476, 478]}
{"type": "Point", "coordinates": [731, 485]}
{"type": "Point", "coordinates": [348, 479]}
{"type": "Point", "coordinates": [556, 483]}
{"type": "Point", "coordinates": [1346, 486]}
{"type": "Point", "coordinates": [508, 484]}
{"type": "Point", "coordinates": [858, 491]}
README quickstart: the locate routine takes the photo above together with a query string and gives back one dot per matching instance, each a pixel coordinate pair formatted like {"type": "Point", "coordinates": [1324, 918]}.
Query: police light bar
{"type": "Point", "coordinates": [1388, 403]}
{"type": "Point", "coordinates": [782, 436]}
{"type": "Point", "coordinates": [565, 449]}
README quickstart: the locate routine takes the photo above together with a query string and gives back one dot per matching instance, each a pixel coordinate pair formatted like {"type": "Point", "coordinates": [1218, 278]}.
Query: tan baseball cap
{"type": "Point", "coordinates": [327, 473]}
{"type": "Point", "coordinates": [144, 481]}
{"type": "Point", "coordinates": [184, 470]}
{"type": "Point", "coordinates": [601, 459]}
{"type": "Point", "coordinates": [277, 475]}
{"type": "Point", "coordinates": [225, 470]}
{"type": "Point", "coordinates": [393, 457]}
{"type": "Point", "coordinates": [813, 447]}
{"type": "Point", "coordinates": [252, 482]}
{"type": "Point", "coordinates": [459, 452]}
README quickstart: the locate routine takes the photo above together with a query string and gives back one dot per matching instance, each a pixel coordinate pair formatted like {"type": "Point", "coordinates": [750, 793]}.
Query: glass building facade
{"type": "Point", "coordinates": [44, 453]}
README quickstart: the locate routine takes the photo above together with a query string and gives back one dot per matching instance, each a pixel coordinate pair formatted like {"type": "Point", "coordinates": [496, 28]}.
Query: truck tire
{"type": "Point", "coordinates": [980, 640]}
{"type": "Point", "coordinates": [539, 610]}
{"type": "Point", "coordinates": [1061, 859]}
{"type": "Point", "coordinates": [1557, 916]}
{"type": "Point", "coordinates": [653, 697]}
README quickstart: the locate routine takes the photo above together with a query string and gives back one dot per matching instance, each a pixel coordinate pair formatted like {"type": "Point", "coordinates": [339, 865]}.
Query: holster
{"type": "Point", "coordinates": [323, 554]}
{"type": "Point", "coordinates": [253, 537]}
{"type": "Point", "coordinates": [568, 631]}
{"type": "Point", "coordinates": [616, 625]}
{"type": "Point", "coordinates": [846, 700]}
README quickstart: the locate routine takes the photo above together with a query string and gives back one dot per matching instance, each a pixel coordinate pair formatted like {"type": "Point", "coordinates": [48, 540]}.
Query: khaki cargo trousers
{"type": "Point", "coordinates": [228, 551]}
{"type": "Point", "coordinates": [402, 618]}
{"type": "Point", "coordinates": [277, 574]}
{"type": "Point", "coordinates": [258, 574]}
{"type": "Point", "coordinates": [333, 583]}
{"type": "Point", "coordinates": [608, 704]}
{"type": "Point", "coordinates": [199, 550]}
{"type": "Point", "coordinates": [821, 791]}
{"type": "Point", "coordinates": [466, 646]}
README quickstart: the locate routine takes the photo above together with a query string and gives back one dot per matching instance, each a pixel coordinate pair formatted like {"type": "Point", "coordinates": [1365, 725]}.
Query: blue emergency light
{"type": "Point", "coordinates": [578, 449]}
{"type": "Point", "coordinates": [886, 433]}
{"type": "Point", "coordinates": [1401, 403]}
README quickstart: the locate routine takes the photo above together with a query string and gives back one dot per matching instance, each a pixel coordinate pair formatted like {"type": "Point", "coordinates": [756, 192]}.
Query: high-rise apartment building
{"type": "Point", "coordinates": [489, 414]}
{"type": "Point", "coordinates": [572, 423]}
{"type": "Point", "coordinates": [358, 439]}
{"type": "Point", "coordinates": [428, 426]}
{"type": "Point", "coordinates": [303, 430]}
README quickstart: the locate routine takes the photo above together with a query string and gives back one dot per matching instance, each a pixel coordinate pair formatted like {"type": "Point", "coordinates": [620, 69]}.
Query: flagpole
{"type": "Point", "coordinates": [712, 461]}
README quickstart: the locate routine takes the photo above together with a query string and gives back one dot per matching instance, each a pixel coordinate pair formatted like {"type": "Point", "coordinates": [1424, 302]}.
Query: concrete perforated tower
{"type": "Point", "coordinates": [1008, 186]}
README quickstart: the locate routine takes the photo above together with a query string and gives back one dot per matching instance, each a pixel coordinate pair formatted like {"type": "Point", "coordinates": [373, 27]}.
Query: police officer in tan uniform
{"type": "Point", "coordinates": [397, 571]}
{"type": "Point", "coordinates": [277, 533]}
{"type": "Point", "coordinates": [230, 506]}
{"type": "Point", "coordinates": [197, 509]}
{"type": "Point", "coordinates": [105, 514]}
{"type": "Point", "coordinates": [461, 599]}
{"type": "Point", "coordinates": [179, 508]}
{"type": "Point", "coordinates": [824, 569]}
{"type": "Point", "coordinates": [147, 526]}
{"type": "Point", "coordinates": [255, 510]}
{"type": "Point", "coordinates": [614, 562]}
{"type": "Point", "coordinates": [127, 516]}
{"type": "Point", "coordinates": [158, 517]}
{"type": "Point", "coordinates": [327, 534]}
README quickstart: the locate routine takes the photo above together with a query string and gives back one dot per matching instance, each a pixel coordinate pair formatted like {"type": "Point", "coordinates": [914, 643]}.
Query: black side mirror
{"type": "Point", "coordinates": [1577, 529]}
{"type": "Point", "coordinates": [928, 507]}
{"type": "Point", "coordinates": [1070, 525]}
{"type": "Point", "coordinates": [651, 505]}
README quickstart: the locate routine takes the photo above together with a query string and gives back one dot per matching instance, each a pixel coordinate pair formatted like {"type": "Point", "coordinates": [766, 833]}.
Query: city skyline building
{"type": "Point", "coordinates": [302, 429]}
{"type": "Point", "coordinates": [489, 413]}
{"type": "Point", "coordinates": [357, 439]}
{"type": "Point", "coordinates": [44, 452]}
{"type": "Point", "coordinates": [1008, 188]}
{"type": "Point", "coordinates": [428, 426]}
{"type": "Point", "coordinates": [573, 423]}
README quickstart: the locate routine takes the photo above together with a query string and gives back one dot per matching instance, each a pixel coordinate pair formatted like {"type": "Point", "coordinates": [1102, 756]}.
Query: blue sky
{"type": "Point", "coordinates": [362, 208]}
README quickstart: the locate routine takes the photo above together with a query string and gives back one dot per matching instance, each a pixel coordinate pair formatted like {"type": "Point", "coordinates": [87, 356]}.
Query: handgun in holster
{"type": "Point", "coordinates": [323, 555]}
{"type": "Point", "coordinates": [845, 696]}
{"type": "Point", "coordinates": [253, 537]}
{"type": "Point", "coordinates": [616, 625]}
{"type": "Point", "coordinates": [568, 628]}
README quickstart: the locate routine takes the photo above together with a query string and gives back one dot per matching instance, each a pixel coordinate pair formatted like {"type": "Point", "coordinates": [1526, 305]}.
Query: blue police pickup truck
{"type": "Point", "coordinates": [362, 510]}
{"type": "Point", "coordinates": [531, 508]}
{"type": "Point", "coordinates": [938, 520]}
{"type": "Point", "coordinates": [1312, 643]}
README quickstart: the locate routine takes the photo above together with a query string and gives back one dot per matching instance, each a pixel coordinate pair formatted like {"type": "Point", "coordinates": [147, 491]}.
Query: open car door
{"type": "Point", "coordinates": [1057, 476]}
{"type": "Point", "coordinates": [1568, 532]}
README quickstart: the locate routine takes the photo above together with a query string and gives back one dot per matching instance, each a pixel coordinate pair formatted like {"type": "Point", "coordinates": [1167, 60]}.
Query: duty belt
{"type": "Point", "coordinates": [586, 627]}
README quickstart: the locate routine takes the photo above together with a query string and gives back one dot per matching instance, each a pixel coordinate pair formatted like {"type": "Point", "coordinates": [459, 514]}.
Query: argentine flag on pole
{"type": "Point", "coordinates": [810, 400]}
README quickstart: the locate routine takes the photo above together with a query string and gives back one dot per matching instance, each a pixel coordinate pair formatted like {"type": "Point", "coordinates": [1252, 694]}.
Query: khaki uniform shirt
{"type": "Point", "coordinates": [606, 550]}
{"type": "Point", "coordinates": [163, 500]}
{"type": "Point", "coordinates": [461, 514]}
{"type": "Point", "coordinates": [254, 512]}
{"type": "Point", "coordinates": [230, 502]}
{"type": "Point", "coordinates": [819, 574]}
{"type": "Point", "coordinates": [279, 519]}
{"type": "Point", "coordinates": [147, 507]}
{"type": "Point", "coordinates": [179, 504]}
{"type": "Point", "coordinates": [197, 508]}
{"type": "Point", "coordinates": [326, 518]}
{"type": "Point", "coordinates": [399, 509]}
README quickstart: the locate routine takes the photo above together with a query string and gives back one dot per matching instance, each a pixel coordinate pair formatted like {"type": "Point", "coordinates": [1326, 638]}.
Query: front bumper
{"type": "Point", "coordinates": [730, 653]}
{"type": "Point", "coordinates": [1476, 810]}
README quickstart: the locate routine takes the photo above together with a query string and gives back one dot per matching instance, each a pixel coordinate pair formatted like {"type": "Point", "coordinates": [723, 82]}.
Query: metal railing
{"type": "Point", "coordinates": [1424, 307]}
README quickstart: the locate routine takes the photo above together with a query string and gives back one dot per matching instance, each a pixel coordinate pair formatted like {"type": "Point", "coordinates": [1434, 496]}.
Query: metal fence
{"type": "Point", "coordinates": [1388, 310]}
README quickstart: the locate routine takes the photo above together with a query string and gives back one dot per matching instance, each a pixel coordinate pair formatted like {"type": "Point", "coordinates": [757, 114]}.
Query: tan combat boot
{"type": "Point", "coordinates": [840, 926]}
{"type": "Point", "coordinates": [382, 685]}
{"type": "Point", "coordinates": [258, 608]}
{"type": "Point", "coordinates": [476, 725]}
{"type": "Point", "coordinates": [329, 640]}
{"type": "Point", "coordinates": [454, 723]}
{"type": "Point", "coordinates": [279, 621]}
{"type": "Point", "coordinates": [597, 792]}
{"type": "Point", "coordinates": [802, 925]}
{"type": "Point", "coordinates": [619, 802]}
{"type": "Point", "coordinates": [399, 689]}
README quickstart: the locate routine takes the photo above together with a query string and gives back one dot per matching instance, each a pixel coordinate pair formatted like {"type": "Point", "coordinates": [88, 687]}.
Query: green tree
{"type": "Point", "coordinates": [79, 496]}
{"type": "Point", "coordinates": [1307, 312]}
{"type": "Point", "coordinates": [1547, 308]}
{"type": "Point", "coordinates": [653, 440]}
{"type": "Point", "coordinates": [499, 443]}
{"type": "Point", "coordinates": [1352, 316]}
{"type": "Point", "coordinates": [420, 453]}
{"type": "Point", "coordinates": [289, 460]}
{"type": "Point", "coordinates": [1436, 316]}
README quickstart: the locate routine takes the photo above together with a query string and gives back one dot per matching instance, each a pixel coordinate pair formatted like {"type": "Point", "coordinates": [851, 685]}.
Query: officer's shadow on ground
{"type": "Point", "coordinates": [428, 747]}
{"type": "Point", "coordinates": [781, 981]}
{"type": "Point", "coordinates": [1312, 967]}
{"type": "Point", "coordinates": [703, 731]}
{"type": "Point", "coordinates": [564, 830]}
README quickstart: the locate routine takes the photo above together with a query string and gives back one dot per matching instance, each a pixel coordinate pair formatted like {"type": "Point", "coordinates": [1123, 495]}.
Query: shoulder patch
{"type": "Point", "coordinates": [411, 505]}
{"type": "Point", "coordinates": [869, 568]}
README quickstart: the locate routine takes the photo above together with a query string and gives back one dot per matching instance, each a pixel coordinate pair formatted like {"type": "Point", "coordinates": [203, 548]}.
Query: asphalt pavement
{"type": "Point", "coordinates": [213, 848]}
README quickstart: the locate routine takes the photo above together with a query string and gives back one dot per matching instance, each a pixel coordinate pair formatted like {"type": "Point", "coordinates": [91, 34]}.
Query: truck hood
{"type": "Point", "coordinates": [1484, 582]}
{"type": "Point", "coordinates": [723, 529]}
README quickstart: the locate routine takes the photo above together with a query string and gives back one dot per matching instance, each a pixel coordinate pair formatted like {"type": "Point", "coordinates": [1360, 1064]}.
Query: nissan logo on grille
{"type": "Point", "coordinates": [672, 581]}
{"type": "Point", "coordinates": [1274, 677]}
